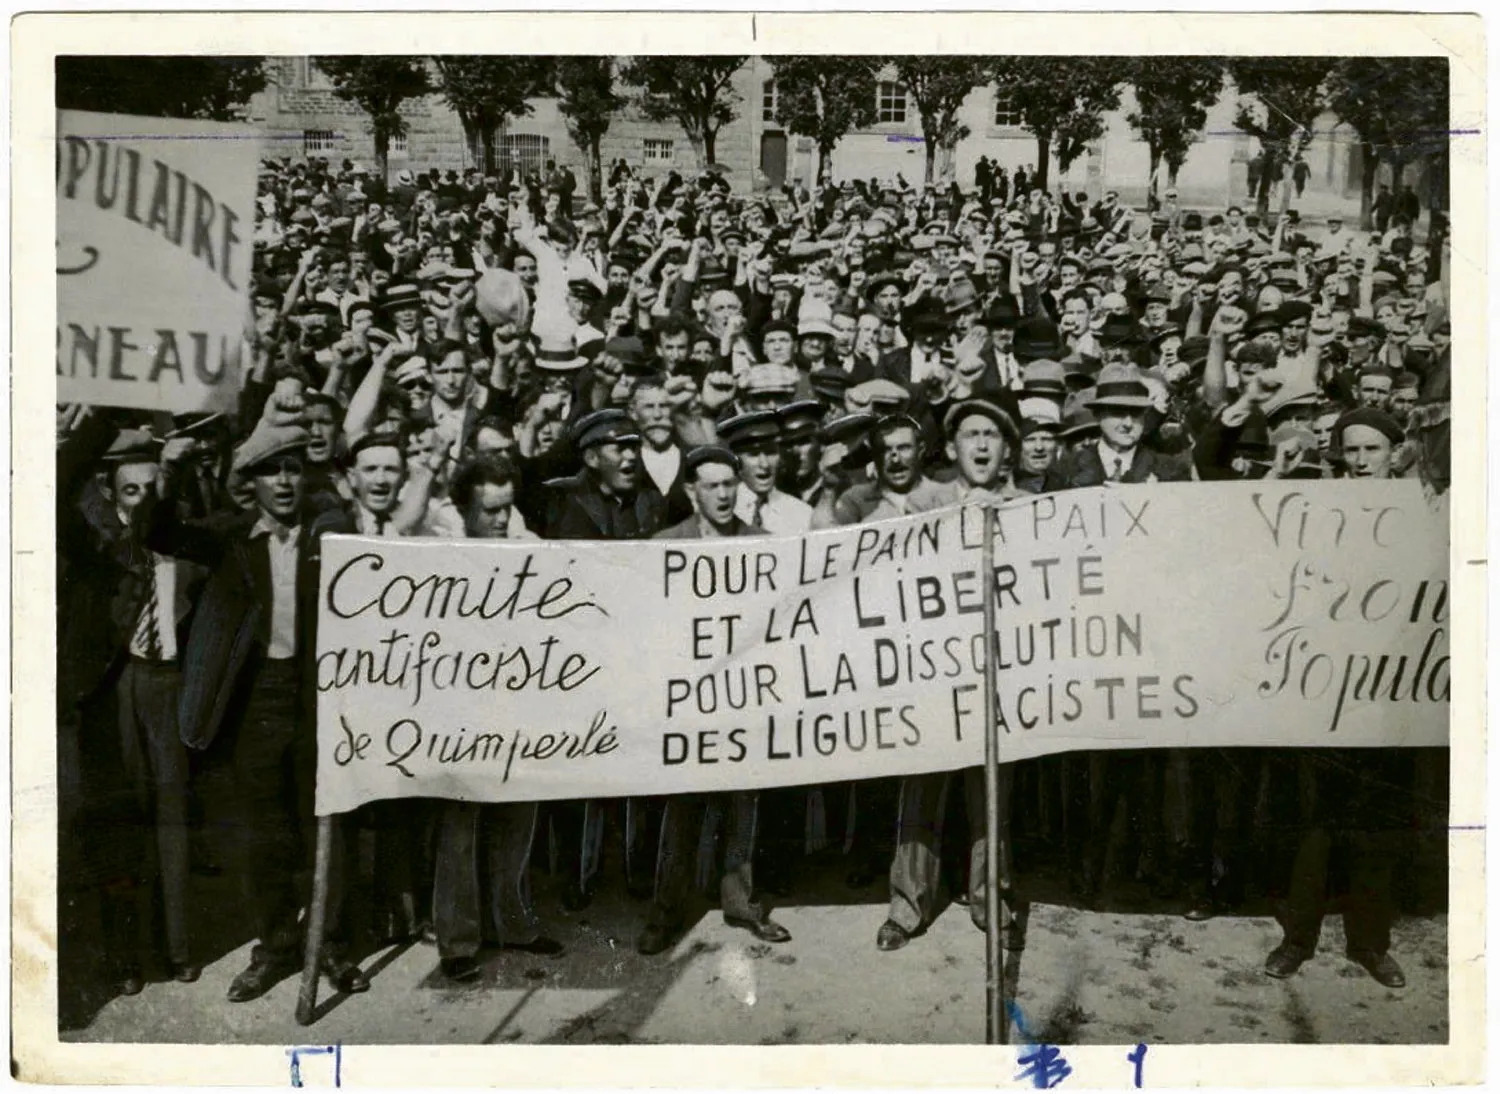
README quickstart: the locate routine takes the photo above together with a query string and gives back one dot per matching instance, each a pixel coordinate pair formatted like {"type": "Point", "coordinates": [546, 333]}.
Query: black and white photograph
{"type": "Point", "coordinates": [1079, 672]}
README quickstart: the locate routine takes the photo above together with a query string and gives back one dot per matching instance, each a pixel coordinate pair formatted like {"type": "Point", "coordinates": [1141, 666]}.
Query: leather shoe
{"type": "Point", "coordinates": [345, 976]}
{"type": "Point", "coordinates": [131, 982]}
{"type": "Point", "coordinates": [1202, 912]}
{"type": "Point", "coordinates": [654, 938]}
{"type": "Point", "coordinates": [541, 945]}
{"type": "Point", "coordinates": [186, 973]}
{"type": "Point", "coordinates": [1382, 966]}
{"type": "Point", "coordinates": [767, 930]}
{"type": "Point", "coordinates": [257, 979]}
{"type": "Point", "coordinates": [427, 933]}
{"type": "Point", "coordinates": [891, 936]}
{"type": "Point", "coordinates": [1285, 960]}
{"type": "Point", "coordinates": [460, 970]}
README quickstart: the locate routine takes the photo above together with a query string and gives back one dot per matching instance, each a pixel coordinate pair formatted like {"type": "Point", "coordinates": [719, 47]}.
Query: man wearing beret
{"type": "Point", "coordinates": [714, 476]}
{"type": "Point", "coordinates": [1354, 816]}
{"type": "Point", "coordinates": [247, 672]}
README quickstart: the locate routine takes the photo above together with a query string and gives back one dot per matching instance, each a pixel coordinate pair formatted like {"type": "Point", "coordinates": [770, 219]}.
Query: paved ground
{"type": "Point", "coordinates": [1086, 977]}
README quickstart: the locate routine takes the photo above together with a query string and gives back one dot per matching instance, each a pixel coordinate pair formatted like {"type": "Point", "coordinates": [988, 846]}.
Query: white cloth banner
{"type": "Point", "coordinates": [1172, 615]}
{"type": "Point", "coordinates": [154, 224]}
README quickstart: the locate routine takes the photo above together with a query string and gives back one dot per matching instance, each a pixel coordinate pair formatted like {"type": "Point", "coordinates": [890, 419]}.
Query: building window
{"type": "Point", "coordinates": [657, 151]}
{"type": "Point", "coordinates": [890, 102]}
{"type": "Point", "coordinates": [398, 148]}
{"type": "Point", "coordinates": [1005, 113]}
{"type": "Point", "coordinates": [316, 142]}
{"type": "Point", "coordinates": [527, 151]}
{"type": "Point", "coordinates": [768, 101]}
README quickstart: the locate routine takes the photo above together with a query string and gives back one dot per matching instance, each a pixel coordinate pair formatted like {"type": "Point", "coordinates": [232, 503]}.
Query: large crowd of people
{"type": "Point", "coordinates": [455, 355]}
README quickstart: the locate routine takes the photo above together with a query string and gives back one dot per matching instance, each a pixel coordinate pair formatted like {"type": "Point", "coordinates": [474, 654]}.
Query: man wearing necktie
{"type": "Point", "coordinates": [1120, 456]}
{"type": "Point", "coordinates": [712, 473]}
{"type": "Point", "coordinates": [755, 438]}
{"type": "Point", "coordinates": [152, 596]}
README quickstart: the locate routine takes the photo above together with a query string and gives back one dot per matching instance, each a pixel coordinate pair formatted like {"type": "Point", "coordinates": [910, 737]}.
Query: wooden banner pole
{"type": "Point", "coordinates": [307, 997]}
{"type": "Point", "coordinates": [996, 1017]}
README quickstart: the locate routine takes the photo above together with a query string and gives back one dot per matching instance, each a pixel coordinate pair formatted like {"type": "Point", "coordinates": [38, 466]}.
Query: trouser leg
{"type": "Point", "coordinates": [916, 866]}
{"type": "Point", "coordinates": [677, 854]}
{"type": "Point", "coordinates": [974, 796]}
{"type": "Point", "coordinates": [1307, 898]}
{"type": "Point", "coordinates": [268, 846]}
{"type": "Point", "coordinates": [737, 885]}
{"type": "Point", "coordinates": [156, 706]}
{"type": "Point", "coordinates": [508, 831]}
{"type": "Point", "coordinates": [455, 891]}
{"type": "Point", "coordinates": [875, 806]}
{"type": "Point", "coordinates": [642, 837]}
{"type": "Point", "coordinates": [1368, 907]}
{"type": "Point", "coordinates": [783, 832]}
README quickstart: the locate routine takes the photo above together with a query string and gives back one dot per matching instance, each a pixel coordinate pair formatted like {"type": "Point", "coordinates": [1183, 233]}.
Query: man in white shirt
{"type": "Point", "coordinates": [247, 663]}
{"type": "Point", "coordinates": [756, 439]}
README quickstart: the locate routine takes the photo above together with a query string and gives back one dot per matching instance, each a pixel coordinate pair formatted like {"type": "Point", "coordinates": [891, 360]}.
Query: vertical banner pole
{"type": "Point", "coordinates": [307, 997]}
{"type": "Point", "coordinates": [994, 957]}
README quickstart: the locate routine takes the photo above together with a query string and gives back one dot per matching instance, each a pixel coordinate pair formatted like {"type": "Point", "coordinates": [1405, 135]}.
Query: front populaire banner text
{"type": "Point", "coordinates": [1269, 614]}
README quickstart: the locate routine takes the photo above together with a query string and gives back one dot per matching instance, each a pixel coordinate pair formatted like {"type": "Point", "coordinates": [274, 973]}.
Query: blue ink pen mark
{"type": "Point", "coordinates": [1042, 1065]}
{"type": "Point", "coordinates": [336, 1051]}
{"type": "Point", "coordinates": [1138, 1058]}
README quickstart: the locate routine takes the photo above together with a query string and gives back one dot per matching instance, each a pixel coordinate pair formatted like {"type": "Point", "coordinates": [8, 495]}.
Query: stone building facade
{"type": "Point", "coordinates": [301, 116]}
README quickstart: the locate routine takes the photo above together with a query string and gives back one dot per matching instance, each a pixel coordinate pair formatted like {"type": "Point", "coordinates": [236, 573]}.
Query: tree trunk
{"type": "Point", "coordinates": [596, 171]}
{"type": "Point", "coordinates": [1368, 166]}
{"type": "Point", "coordinates": [929, 152]}
{"type": "Point", "coordinates": [1155, 154]}
{"type": "Point", "coordinates": [1038, 181]}
{"type": "Point", "coordinates": [1172, 168]}
{"type": "Point", "coordinates": [383, 156]}
{"type": "Point", "coordinates": [825, 162]}
{"type": "Point", "coordinates": [710, 138]}
{"type": "Point", "coordinates": [1263, 187]}
{"type": "Point", "coordinates": [487, 149]}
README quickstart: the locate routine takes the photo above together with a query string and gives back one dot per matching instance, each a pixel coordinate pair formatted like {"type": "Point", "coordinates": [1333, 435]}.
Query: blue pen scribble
{"type": "Point", "coordinates": [296, 1054]}
{"type": "Point", "coordinates": [1138, 1058]}
{"type": "Point", "coordinates": [1041, 1065]}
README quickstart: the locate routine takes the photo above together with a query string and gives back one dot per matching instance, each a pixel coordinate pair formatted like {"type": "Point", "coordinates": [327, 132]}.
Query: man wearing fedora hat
{"type": "Point", "coordinates": [247, 673]}
{"type": "Point", "coordinates": [1120, 400]}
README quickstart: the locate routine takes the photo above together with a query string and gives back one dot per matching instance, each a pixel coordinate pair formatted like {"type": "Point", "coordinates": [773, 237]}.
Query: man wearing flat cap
{"type": "Point", "coordinates": [981, 437]}
{"type": "Point", "coordinates": [714, 478]}
{"type": "Point", "coordinates": [247, 676]}
{"type": "Point", "coordinates": [610, 499]}
{"type": "Point", "coordinates": [755, 439]}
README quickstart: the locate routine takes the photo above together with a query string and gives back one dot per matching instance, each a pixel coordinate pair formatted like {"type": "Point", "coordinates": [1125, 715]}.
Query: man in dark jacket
{"type": "Point", "coordinates": [611, 498]}
{"type": "Point", "coordinates": [713, 474]}
{"type": "Point", "coordinates": [247, 673]}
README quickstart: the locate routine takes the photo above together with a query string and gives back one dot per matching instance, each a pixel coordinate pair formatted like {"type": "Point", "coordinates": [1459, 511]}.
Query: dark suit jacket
{"type": "Point", "coordinates": [691, 529]}
{"type": "Point", "coordinates": [583, 512]}
{"type": "Point", "coordinates": [1082, 467]}
{"type": "Point", "coordinates": [231, 627]}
